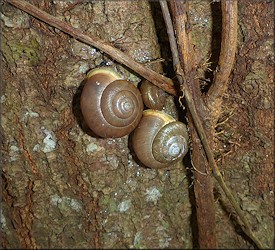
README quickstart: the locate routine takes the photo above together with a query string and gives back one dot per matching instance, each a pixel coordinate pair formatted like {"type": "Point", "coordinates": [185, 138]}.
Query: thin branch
{"type": "Point", "coordinates": [159, 80]}
{"type": "Point", "coordinates": [162, 82]}
{"type": "Point", "coordinates": [226, 58]}
{"type": "Point", "coordinates": [170, 32]}
{"type": "Point", "coordinates": [204, 199]}
{"type": "Point", "coordinates": [192, 108]}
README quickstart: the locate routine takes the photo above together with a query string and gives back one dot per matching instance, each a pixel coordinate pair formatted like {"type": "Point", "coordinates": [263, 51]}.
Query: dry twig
{"type": "Point", "coordinates": [161, 81]}
{"type": "Point", "coordinates": [205, 212]}
{"type": "Point", "coordinates": [226, 58]}
{"type": "Point", "coordinates": [229, 11]}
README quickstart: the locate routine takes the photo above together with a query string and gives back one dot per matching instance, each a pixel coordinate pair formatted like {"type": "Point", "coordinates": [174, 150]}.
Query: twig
{"type": "Point", "coordinates": [162, 82]}
{"type": "Point", "coordinates": [192, 108]}
{"type": "Point", "coordinates": [226, 58]}
{"type": "Point", "coordinates": [170, 32]}
{"type": "Point", "coordinates": [159, 80]}
{"type": "Point", "coordinates": [204, 199]}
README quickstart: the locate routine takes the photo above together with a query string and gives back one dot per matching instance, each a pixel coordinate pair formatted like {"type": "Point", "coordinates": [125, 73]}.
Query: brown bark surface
{"type": "Point", "coordinates": [63, 188]}
{"type": "Point", "coordinates": [203, 187]}
{"type": "Point", "coordinates": [245, 130]}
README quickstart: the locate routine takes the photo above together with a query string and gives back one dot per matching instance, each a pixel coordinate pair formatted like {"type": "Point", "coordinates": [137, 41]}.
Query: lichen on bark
{"type": "Point", "coordinates": [64, 188]}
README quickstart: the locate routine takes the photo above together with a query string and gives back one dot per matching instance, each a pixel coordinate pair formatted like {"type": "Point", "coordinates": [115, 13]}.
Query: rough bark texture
{"type": "Point", "coordinates": [245, 132]}
{"type": "Point", "coordinates": [62, 188]}
{"type": "Point", "coordinates": [243, 135]}
{"type": "Point", "coordinates": [203, 187]}
{"type": "Point", "coordinates": [204, 198]}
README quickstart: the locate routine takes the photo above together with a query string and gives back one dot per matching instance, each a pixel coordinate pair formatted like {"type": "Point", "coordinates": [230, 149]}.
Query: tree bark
{"type": "Point", "coordinates": [189, 84]}
{"type": "Point", "coordinates": [205, 209]}
{"type": "Point", "coordinates": [62, 187]}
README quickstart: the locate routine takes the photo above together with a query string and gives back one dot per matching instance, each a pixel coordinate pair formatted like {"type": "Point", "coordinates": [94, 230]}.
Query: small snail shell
{"type": "Point", "coordinates": [153, 97]}
{"type": "Point", "coordinates": [159, 140]}
{"type": "Point", "coordinates": [111, 107]}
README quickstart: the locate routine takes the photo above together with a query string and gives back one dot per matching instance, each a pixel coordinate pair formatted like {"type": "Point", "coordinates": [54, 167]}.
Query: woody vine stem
{"type": "Point", "coordinates": [228, 49]}
{"type": "Point", "coordinates": [157, 79]}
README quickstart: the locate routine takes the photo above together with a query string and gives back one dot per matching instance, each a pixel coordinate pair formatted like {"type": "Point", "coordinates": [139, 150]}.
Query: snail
{"type": "Point", "coordinates": [153, 97]}
{"type": "Point", "coordinates": [111, 106]}
{"type": "Point", "coordinates": [159, 141]}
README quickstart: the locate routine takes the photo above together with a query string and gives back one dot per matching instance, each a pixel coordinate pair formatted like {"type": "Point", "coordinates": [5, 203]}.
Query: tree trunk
{"type": "Point", "coordinates": [63, 188]}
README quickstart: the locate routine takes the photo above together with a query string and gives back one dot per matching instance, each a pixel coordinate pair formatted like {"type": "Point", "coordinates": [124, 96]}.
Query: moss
{"type": "Point", "coordinates": [109, 203]}
{"type": "Point", "coordinates": [16, 51]}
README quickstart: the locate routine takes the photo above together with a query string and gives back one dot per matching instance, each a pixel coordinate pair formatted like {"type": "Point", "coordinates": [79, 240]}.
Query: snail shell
{"type": "Point", "coordinates": [159, 140]}
{"type": "Point", "coordinates": [153, 97]}
{"type": "Point", "coordinates": [111, 107]}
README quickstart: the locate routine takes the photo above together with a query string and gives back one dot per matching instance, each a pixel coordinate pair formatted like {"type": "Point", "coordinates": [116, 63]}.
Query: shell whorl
{"type": "Point", "coordinates": [111, 107]}
{"type": "Point", "coordinates": [153, 97]}
{"type": "Point", "coordinates": [159, 140]}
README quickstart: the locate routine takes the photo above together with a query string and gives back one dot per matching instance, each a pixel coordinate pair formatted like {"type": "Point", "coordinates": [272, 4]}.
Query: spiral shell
{"type": "Point", "coordinates": [153, 97]}
{"type": "Point", "coordinates": [159, 141]}
{"type": "Point", "coordinates": [111, 107]}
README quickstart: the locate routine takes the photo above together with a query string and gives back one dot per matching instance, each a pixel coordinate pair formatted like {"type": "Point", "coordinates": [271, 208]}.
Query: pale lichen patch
{"type": "Point", "coordinates": [3, 221]}
{"type": "Point", "coordinates": [49, 142]}
{"type": "Point", "coordinates": [124, 206]}
{"type": "Point", "coordinates": [137, 240]}
{"type": "Point", "coordinates": [62, 202]}
{"type": "Point", "coordinates": [164, 239]}
{"type": "Point", "coordinates": [36, 148]}
{"type": "Point", "coordinates": [13, 153]}
{"type": "Point", "coordinates": [28, 113]}
{"type": "Point", "coordinates": [92, 147]}
{"type": "Point", "coordinates": [152, 195]}
{"type": "Point", "coordinates": [2, 99]}
{"type": "Point", "coordinates": [113, 161]}
{"type": "Point", "coordinates": [16, 20]}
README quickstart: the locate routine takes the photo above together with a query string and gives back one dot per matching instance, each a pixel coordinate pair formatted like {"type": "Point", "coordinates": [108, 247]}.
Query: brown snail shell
{"type": "Point", "coordinates": [111, 107]}
{"type": "Point", "coordinates": [153, 97]}
{"type": "Point", "coordinates": [159, 141]}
